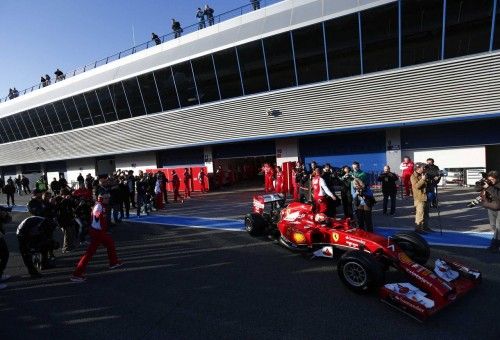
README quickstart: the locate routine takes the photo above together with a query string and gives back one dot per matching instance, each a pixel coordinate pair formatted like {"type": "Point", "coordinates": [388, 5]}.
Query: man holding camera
{"type": "Point", "coordinates": [490, 194]}
{"type": "Point", "coordinates": [419, 188]}
{"type": "Point", "coordinates": [433, 177]}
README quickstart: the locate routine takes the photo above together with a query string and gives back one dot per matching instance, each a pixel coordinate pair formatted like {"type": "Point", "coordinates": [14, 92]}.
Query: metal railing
{"type": "Point", "coordinates": [144, 46]}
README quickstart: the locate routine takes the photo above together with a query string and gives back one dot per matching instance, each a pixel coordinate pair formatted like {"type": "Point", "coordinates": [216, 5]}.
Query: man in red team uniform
{"type": "Point", "coordinates": [320, 191]}
{"type": "Point", "coordinates": [98, 235]}
{"type": "Point", "coordinates": [280, 179]}
{"type": "Point", "coordinates": [406, 172]}
{"type": "Point", "coordinates": [201, 178]}
{"type": "Point", "coordinates": [268, 177]}
{"type": "Point", "coordinates": [187, 183]}
{"type": "Point", "coordinates": [176, 183]}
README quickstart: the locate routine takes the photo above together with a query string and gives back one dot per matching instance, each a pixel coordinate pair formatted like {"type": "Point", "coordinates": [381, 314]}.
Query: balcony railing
{"type": "Point", "coordinates": [144, 46]}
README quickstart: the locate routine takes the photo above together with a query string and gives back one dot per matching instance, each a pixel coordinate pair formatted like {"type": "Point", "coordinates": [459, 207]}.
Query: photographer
{"type": "Point", "coordinates": [363, 199]}
{"type": "Point", "coordinates": [5, 217]}
{"type": "Point", "coordinates": [388, 180]}
{"type": "Point", "coordinates": [345, 191]}
{"type": "Point", "coordinates": [34, 234]}
{"type": "Point", "coordinates": [433, 179]}
{"type": "Point", "coordinates": [419, 188]}
{"type": "Point", "coordinates": [490, 194]}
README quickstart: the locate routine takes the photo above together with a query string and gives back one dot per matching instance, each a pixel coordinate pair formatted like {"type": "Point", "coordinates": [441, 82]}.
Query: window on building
{"type": "Point", "coordinates": [83, 109]}
{"type": "Point", "coordinates": [379, 27]}
{"type": "Point", "coordinates": [279, 59]}
{"type": "Point", "coordinates": [8, 134]}
{"type": "Point", "coordinates": [37, 122]}
{"type": "Point", "coordinates": [44, 118]}
{"type": "Point", "coordinates": [15, 130]}
{"type": "Point", "coordinates": [54, 119]}
{"type": "Point", "coordinates": [3, 134]}
{"type": "Point", "coordinates": [253, 69]}
{"type": "Point", "coordinates": [205, 79]}
{"type": "Point", "coordinates": [63, 117]}
{"type": "Point", "coordinates": [422, 30]}
{"type": "Point", "coordinates": [94, 107]}
{"type": "Point", "coordinates": [107, 105]}
{"type": "Point", "coordinates": [74, 117]}
{"type": "Point", "coordinates": [166, 88]}
{"type": "Point", "coordinates": [228, 74]}
{"type": "Point", "coordinates": [30, 128]}
{"type": "Point", "coordinates": [20, 124]}
{"type": "Point", "coordinates": [134, 97]}
{"type": "Point", "coordinates": [342, 44]}
{"type": "Point", "coordinates": [309, 49]}
{"type": "Point", "coordinates": [468, 27]}
{"type": "Point", "coordinates": [150, 93]}
{"type": "Point", "coordinates": [118, 96]}
{"type": "Point", "coordinates": [185, 84]}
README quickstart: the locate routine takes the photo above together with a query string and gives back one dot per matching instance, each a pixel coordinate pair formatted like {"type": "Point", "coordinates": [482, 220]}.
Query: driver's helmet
{"type": "Point", "coordinates": [320, 218]}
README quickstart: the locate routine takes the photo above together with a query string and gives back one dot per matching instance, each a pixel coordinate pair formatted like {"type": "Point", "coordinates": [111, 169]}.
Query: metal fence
{"type": "Point", "coordinates": [144, 46]}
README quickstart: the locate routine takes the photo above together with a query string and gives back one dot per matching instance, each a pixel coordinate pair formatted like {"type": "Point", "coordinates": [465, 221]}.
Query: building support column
{"type": "Point", "coordinates": [287, 150]}
{"type": "Point", "coordinates": [393, 149]}
{"type": "Point", "coordinates": [208, 159]}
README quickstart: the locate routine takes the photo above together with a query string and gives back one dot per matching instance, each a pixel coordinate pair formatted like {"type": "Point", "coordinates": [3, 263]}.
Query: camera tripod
{"type": "Point", "coordinates": [438, 211]}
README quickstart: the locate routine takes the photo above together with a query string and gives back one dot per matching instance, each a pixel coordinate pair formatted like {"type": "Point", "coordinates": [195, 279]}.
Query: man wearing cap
{"type": "Point", "coordinates": [98, 235]}
{"type": "Point", "coordinates": [419, 188]}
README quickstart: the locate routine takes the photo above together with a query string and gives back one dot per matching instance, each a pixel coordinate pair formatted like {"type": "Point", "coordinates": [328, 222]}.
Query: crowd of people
{"type": "Point", "coordinates": [44, 81]}
{"type": "Point", "coordinates": [319, 185]}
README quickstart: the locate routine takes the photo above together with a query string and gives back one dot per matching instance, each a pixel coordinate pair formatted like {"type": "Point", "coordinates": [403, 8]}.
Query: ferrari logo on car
{"type": "Point", "coordinates": [335, 237]}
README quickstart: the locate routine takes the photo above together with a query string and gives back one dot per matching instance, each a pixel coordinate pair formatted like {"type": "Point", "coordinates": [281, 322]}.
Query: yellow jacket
{"type": "Point", "coordinates": [418, 187]}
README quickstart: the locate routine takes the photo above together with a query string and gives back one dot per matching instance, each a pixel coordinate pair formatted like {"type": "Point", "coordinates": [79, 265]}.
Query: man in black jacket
{"type": "Point", "coordinates": [5, 217]}
{"type": "Point", "coordinates": [34, 234]}
{"type": "Point", "coordinates": [388, 180]}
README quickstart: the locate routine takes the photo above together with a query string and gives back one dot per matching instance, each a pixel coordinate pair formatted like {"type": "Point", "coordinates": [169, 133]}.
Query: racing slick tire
{"type": "Point", "coordinates": [360, 271]}
{"type": "Point", "coordinates": [414, 246]}
{"type": "Point", "coordinates": [255, 224]}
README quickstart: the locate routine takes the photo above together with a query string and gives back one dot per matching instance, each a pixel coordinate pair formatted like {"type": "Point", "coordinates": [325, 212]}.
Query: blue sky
{"type": "Point", "coordinates": [38, 36]}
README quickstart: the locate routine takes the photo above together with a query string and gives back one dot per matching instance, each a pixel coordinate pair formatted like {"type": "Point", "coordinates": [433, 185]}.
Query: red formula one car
{"type": "Point", "coordinates": [369, 256]}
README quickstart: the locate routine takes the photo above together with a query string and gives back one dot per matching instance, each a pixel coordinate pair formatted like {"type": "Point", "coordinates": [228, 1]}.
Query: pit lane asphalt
{"type": "Point", "coordinates": [182, 283]}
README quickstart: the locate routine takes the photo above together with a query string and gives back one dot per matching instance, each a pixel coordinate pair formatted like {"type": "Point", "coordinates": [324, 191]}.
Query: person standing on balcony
{"type": "Point", "coordinates": [15, 93]}
{"type": "Point", "coordinates": [43, 81]}
{"type": "Point", "coordinates": [200, 15]}
{"type": "Point", "coordinates": [176, 27]}
{"type": "Point", "coordinates": [255, 4]}
{"type": "Point", "coordinates": [155, 38]}
{"type": "Point", "coordinates": [209, 13]}
{"type": "Point", "coordinates": [59, 75]}
{"type": "Point", "coordinates": [47, 79]}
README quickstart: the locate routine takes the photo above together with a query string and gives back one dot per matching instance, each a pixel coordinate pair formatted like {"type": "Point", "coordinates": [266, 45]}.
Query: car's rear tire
{"type": "Point", "coordinates": [360, 271]}
{"type": "Point", "coordinates": [255, 224]}
{"type": "Point", "coordinates": [414, 246]}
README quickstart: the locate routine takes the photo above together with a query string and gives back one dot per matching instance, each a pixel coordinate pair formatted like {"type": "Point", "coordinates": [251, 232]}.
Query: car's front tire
{"type": "Point", "coordinates": [413, 245]}
{"type": "Point", "coordinates": [360, 271]}
{"type": "Point", "coordinates": [255, 224]}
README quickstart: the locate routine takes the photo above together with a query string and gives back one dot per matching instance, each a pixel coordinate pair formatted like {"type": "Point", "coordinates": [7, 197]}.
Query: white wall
{"type": "Point", "coordinates": [136, 161]}
{"type": "Point", "coordinates": [473, 157]}
{"type": "Point", "coordinates": [77, 166]}
{"type": "Point", "coordinates": [287, 150]}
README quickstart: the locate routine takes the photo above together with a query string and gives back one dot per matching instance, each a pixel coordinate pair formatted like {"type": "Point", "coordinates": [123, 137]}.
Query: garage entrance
{"type": "Point", "coordinates": [241, 162]}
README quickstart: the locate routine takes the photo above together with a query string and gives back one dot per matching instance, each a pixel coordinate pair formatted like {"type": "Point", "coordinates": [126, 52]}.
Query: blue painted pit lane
{"type": "Point", "coordinates": [448, 238]}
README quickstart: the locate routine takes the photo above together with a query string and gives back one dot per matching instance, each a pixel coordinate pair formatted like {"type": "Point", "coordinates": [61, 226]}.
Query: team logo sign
{"type": "Point", "coordinates": [335, 237]}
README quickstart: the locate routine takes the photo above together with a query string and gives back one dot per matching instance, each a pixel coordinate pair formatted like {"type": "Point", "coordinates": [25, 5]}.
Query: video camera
{"type": "Point", "coordinates": [479, 184]}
